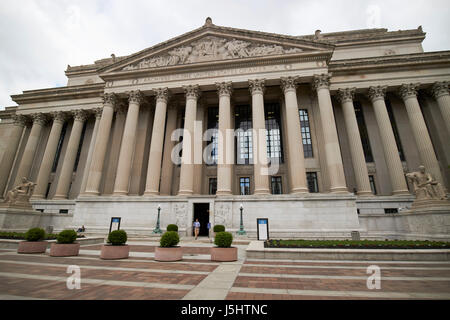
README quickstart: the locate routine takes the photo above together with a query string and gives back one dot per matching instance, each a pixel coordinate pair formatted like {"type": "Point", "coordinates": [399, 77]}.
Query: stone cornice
{"type": "Point", "coordinates": [59, 94]}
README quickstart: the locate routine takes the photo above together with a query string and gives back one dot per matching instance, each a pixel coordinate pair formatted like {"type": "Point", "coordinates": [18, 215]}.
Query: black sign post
{"type": "Point", "coordinates": [115, 224]}
{"type": "Point", "coordinates": [262, 227]}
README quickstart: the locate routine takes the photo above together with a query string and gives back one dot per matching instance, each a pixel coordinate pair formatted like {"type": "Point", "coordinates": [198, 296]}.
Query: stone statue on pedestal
{"type": "Point", "coordinates": [425, 187]}
{"type": "Point", "coordinates": [20, 195]}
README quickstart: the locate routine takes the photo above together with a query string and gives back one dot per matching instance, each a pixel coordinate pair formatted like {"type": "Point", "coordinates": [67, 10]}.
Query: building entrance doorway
{"type": "Point", "coordinates": [201, 212]}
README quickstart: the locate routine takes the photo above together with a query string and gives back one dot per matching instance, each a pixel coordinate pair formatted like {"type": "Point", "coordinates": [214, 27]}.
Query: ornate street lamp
{"type": "Point", "coordinates": [241, 227]}
{"type": "Point", "coordinates": [157, 229]}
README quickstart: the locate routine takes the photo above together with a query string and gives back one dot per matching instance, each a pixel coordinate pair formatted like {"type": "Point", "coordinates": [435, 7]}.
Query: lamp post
{"type": "Point", "coordinates": [241, 227]}
{"type": "Point", "coordinates": [157, 229]}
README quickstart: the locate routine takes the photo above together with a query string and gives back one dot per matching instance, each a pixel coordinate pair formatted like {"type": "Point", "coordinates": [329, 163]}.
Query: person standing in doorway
{"type": "Point", "coordinates": [196, 228]}
{"type": "Point", "coordinates": [208, 226]}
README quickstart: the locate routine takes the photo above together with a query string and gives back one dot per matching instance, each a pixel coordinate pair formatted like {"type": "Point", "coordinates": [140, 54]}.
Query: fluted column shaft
{"type": "Point", "coordinates": [393, 162]}
{"type": "Point", "coordinates": [356, 149]}
{"type": "Point", "coordinates": [10, 152]}
{"type": "Point", "coordinates": [65, 177]}
{"type": "Point", "coordinates": [187, 160]}
{"type": "Point", "coordinates": [331, 141]}
{"type": "Point", "coordinates": [442, 96]}
{"type": "Point", "coordinates": [98, 116]}
{"type": "Point", "coordinates": [101, 143]}
{"type": "Point", "coordinates": [39, 121]}
{"type": "Point", "coordinates": [156, 146]}
{"type": "Point", "coordinates": [297, 176]}
{"type": "Point", "coordinates": [225, 142]}
{"type": "Point", "coordinates": [167, 166]}
{"type": "Point", "coordinates": [49, 155]}
{"type": "Point", "coordinates": [408, 93]}
{"type": "Point", "coordinates": [128, 144]}
{"type": "Point", "coordinates": [260, 161]}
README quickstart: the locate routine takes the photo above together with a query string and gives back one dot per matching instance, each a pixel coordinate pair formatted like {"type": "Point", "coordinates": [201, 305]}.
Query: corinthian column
{"type": "Point", "coordinates": [297, 173]}
{"type": "Point", "coordinates": [167, 166]}
{"type": "Point", "coordinates": [156, 146]}
{"type": "Point", "coordinates": [65, 177]}
{"type": "Point", "coordinates": [101, 143]}
{"type": "Point", "coordinates": [187, 161]}
{"type": "Point", "coordinates": [128, 143]}
{"type": "Point", "coordinates": [331, 141]}
{"type": "Point", "coordinates": [441, 94]}
{"type": "Point", "coordinates": [225, 143]}
{"type": "Point", "coordinates": [408, 92]}
{"type": "Point", "coordinates": [260, 161]}
{"type": "Point", "coordinates": [10, 152]}
{"type": "Point", "coordinates": [39, 121]}
{"type": "Point", "coordinates": [49, 155]}
{"type": "Point", "coordinates": [356, 149]}
{"type": "Point", "coordinates": [393, 162]}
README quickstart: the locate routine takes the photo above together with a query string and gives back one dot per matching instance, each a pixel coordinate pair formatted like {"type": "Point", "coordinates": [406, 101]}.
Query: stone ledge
{"type": "Point", "coordinates": [14, 244]}
{"type": "Point", "coordinates": [256, 250]}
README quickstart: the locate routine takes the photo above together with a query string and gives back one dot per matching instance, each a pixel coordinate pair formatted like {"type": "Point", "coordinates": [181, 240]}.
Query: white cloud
{"type": "Point", "coordinates": [39, 38]}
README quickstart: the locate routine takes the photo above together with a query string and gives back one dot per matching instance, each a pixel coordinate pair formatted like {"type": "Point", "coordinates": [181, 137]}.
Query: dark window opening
{"type": "Point", "coordinates": [311, 178]}
{"type": "Point", "coordinates": [212, 185]}
{"type": "Point", "coordinates": [306, 133]}
{"type": "Point", "coordinates": [273, 132]}
{"type": "Point", "coordinates": [58, 148]}
{"type": "Point", "coordinates": [395, 130]}
{"type": "Point", "coordinates": [276, 185]}
{"type": "Point", "coordinates": [65, 211]}
{"type": "Point", "coordinates": [391, 210]}
{"type": "Point", "coordinates": [244, 185]}
{"type": "Point", "coordinates": [363, 132]}
{"type": "Point", "coordinates": [213, 123]}
{"type": "Point", "coordinates": [372, 184]}
{"type": "Point", "coordinates": [244, 139]}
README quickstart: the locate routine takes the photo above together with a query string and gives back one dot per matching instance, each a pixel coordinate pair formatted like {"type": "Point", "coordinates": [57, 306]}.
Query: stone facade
{"type": "Point", "coordinates": [347, 114]}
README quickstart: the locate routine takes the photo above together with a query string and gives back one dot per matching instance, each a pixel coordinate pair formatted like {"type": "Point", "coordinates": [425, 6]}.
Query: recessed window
{"type": "Point", "coordinates": [372, 184]}
{"type": "Point", "coordinates": [212, 185]}
{"type": "Point", "coordinates": [391, 210]}
{"type": "Point", "coordinates": [276, 185]}
{"type": "Point", "coordinates": [363, 132]}
{"type": "Point", "coordinates": [395, 130]}
{"type": "Point", "coordinates": [213, 142]}
{"type": "Point", "coordinates": [244, 139]}
{"type": "Point", "coordinates": [244, 185]}
{"type": "Point", "coordinates": [64, 211]}
{"type": "Point", "coordinates": [311, 178]}
{"type": "Point", "coordinates": [306, 133]}
{"type": "Point", "coordinates": [273, 132]}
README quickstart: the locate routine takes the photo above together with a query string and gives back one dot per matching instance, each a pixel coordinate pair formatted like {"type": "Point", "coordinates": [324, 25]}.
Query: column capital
{"type": "Point", "coordinates": [97, 112]}
{"type": "Point", "coordinates": [79, 115]}
{"type": "Point", "coordinates": [346, 95]}
{"type": "Point", "coordinates": [58, 116]}
{"type": "Point", "coordinates": [224, 88]}
{"type": "Point", "coordinates": [408, 90]}
{"type": "Point", "coordinates": [321, 81]}
{"type": "Point", "coordinates": [192, 91]}
{"type": "Point", "coordinates": [39, 118]}
{"type": "Point", "coordinates": [20, 120]}
{"type": "Point", "coordinates": [377, 93]}
{"type": "Point", "coordinates": [110, 98]}
{"type": "Point", "coordinates": [288, 83]}
{"type": "Point", "coordinates": [162, 94]}
{"type": "Point", "coordinates": [121, 108]}
{"type": "Point", "coordinates": [440, 89]}
{"type": "Point", "coordinates": [257, 86]}
{"type": "Point", "coordinates": [135, 96]}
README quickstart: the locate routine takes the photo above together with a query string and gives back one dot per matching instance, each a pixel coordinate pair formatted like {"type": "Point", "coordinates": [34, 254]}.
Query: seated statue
{"type": "Point", "coordinates": [425, 187]}
{"type": "Point", "coordinates": [21, 193]}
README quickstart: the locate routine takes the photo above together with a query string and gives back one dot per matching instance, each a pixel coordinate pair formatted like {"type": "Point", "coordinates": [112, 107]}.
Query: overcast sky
{"type": "Point", "coordinates": [39, 38]}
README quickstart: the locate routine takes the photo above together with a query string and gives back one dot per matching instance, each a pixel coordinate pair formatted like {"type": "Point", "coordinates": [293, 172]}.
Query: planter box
{"type": "Point", "coordinates": [168, 254]}
{"type": "Point", "coordinates": [110, 252]}
{"type": "Point", "coordinates": [224, 254]}
{"type": "Point", "coordinates": [32, 247]}
{"type": "Point", "coordinates": [64, 249]}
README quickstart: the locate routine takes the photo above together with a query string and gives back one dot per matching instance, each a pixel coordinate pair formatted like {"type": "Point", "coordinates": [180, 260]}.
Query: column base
{"type": "Point", "coordinates": [36, 197]}
{"type": "Point", "coordinates": [364, 193]}
{"type": "Point", "coordinates": [401, 193]}
{"type": "Point", "coordinates": [90, 193]}
{"type": "Point", "coordinates": [185, 192]}
{"type": "Point", "coordinates": [261, 192]}
{"type": "Point", "coordinates": [224, 193]}
{"type": "Point", "coordinates": [151, 193]}
{"type": "Point", "coordinates": [339, 190]}
{"type": "Point", "coordinates": [299, 190]}
{"type": "Point", "coordinates": [59, 197]}
{"type": "Point", "coordinates": [120, 193]}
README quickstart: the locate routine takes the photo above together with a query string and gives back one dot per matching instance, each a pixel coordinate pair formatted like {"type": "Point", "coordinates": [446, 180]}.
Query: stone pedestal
{"type": "Point", "coordinates": [18, 219]}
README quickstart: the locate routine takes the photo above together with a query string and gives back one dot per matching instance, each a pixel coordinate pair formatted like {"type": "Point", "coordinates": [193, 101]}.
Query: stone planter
{"type": "Point", "coordinates": [110, 252]}
{"type": "Point", "coordinates": [32, 247]}
{"type": "Point", "coordinates": [168, 254]}
{"type": "Point", "coordinates": [224, 254]}
{"type": "Point", "coordinates": [64, 249]}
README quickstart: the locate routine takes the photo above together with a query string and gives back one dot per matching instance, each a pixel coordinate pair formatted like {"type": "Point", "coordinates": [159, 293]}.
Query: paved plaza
{"type": "Point", "coordinates": [40, 276]}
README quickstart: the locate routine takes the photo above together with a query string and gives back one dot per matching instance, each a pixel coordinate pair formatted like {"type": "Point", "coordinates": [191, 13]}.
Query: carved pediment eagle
{"type": "Point", "coordinates": [211, 48]}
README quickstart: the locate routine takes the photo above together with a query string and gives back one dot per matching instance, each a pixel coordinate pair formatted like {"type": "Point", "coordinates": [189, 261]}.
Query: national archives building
{"type": "Point", "coordinates": [345, 116]}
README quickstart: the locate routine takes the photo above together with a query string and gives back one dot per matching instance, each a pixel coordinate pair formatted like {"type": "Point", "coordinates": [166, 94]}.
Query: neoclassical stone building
{"type": "Point", "coordinates": [346, 114]}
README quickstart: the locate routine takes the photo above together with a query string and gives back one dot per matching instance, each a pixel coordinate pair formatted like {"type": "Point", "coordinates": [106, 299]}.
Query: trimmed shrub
{"type": "Point", "coordinates": [35, 234]}
{"type": "Point", "coordinates": [223, 239]}
{"type": "Point", "coordinates": [67, 236]}
{"type": "Point", "coordinates": [219, 228]}
{"type": "Point", "coordinates": [169, 239]}
{"type": "Point", "coordinates": [172, 227]}
{"type": "Point", "coordinates": [117, 237]}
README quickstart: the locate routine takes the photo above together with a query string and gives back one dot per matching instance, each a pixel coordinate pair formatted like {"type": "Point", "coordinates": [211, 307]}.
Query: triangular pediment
{"type": "Point", "coordinates": [212, 43]}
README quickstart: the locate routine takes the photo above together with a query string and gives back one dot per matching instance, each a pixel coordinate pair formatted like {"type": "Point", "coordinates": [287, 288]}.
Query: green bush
{"type": "Point", "coordinates": [219, 228]}
{"type": "Point", "coordinates": [223, 239]}
{"type": "Point", "coordinates": [35, 234]}
{"type": "Point", "coordinates": [169, 239]}
{"type": "Point", "coordinates": [67, 236]}
{"type": "Point", "coordinates": [117, 237]}
{"type": "Point", "coordinates": [172, 227]}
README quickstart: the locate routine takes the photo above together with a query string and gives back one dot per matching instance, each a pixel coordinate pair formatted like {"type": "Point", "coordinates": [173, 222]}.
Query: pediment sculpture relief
{"type": "Point", "coordinates": [209, 49]}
